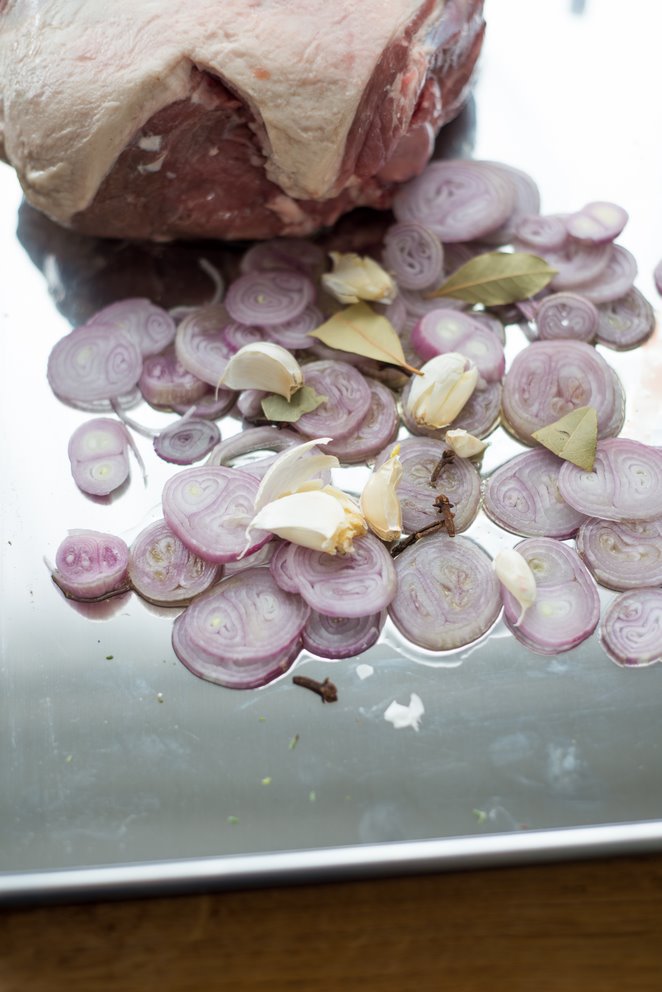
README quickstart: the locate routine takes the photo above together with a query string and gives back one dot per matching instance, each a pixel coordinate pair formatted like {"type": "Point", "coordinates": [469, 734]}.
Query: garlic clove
{"type": "Point", "coordinates": [379, 500]}
{"type": "Point", "coordinates": [438, 395]}
{"type": "Point", "coordinates": [464, 445]}
{"type": "Point", "coordinates": [324, 520]}
{"type": "Point", "coordinates": [514, 572]}
{"type": "Point", "coordinates": [295, 469]}
{"type": "Point", "coordinates": [356, 277]}
{"type": "Point", "coordinates": [263, 365]}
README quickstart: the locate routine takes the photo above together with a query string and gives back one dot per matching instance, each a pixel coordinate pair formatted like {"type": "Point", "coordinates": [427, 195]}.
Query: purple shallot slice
{"type": "Point", "coordinates": [458, 480]}
{"type": "Point", "coordinates": [294, 334]}
{"type": "Point", "coordinates": [523, 496]}
{"type": "Point", "coordinates": [448, 594]}
{"type": "Point", "coordinates": [92, 364]}
{"type": "Point", "coordinates": [98, 453]}
{"type": "Point", "coordinates": [631, 630]}
{"type": "Point", "coordinates": [597, 222]}
{"type": "Point", "coordinates": [209, 508]}
{"type": "Point", "coordinates": [91, 565]}
{"type": "Point", "coordinates": [460, 200]}
{"type": "Point", "coordinates": [567, 605]}
{"type": "Point", "coordinates": [165, 382]}
{"type": "Point", "coordinates": [348, 400]}
{"type": "Point", "coordinates": [377, 429]}
{"type": "Point", "coordinates": [625, 484]}
{"type": "Point", "coordinates": [622, 555]}
{"type": "Point", "coordinates": [341, 637]}
{"type": "Point", "coordinates": [152, 328]}
{"type": "Point", "coordinates": [444, 330]}
{"type": "Point", "coordinates": [566, 315]}
{"type": "Point", "coordinates": [163, 571]}
{"type": "Point", "coordinates": [626, 322]}
{"type": "Point", "coordinates": [351, 585]}
{"type": "Point", "coordinates": [414, 255]}
{"type": "Point", "coordinates": [551, 378]}
{"type": "Point", "coordinates": [187, 441]}
{"type": "Point", "coordinates": [615, 279]}
{"type": "Point", "coordinates": [242, 633]}
{"type": "Point", "coordinates": [270, 296]}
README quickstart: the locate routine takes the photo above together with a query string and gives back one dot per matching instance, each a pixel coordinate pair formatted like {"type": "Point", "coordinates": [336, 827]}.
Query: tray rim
{"type": "Point", "coordinates": [329, 864]}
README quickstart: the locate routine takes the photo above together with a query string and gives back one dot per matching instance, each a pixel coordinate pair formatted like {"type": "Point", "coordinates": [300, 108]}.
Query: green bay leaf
{"type": "Point", "coordinates": [497, 277]}
{"type": "Point", "coordinates": [573, 437]}
{"type": "Point", "coordinates": [361, 331]}
{"type": "Point", "coordinates": [304, 400]}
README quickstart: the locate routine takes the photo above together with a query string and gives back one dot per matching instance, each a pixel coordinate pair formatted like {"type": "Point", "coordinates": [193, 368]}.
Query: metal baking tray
{"type": "Point", "coordinates": [121, 773]}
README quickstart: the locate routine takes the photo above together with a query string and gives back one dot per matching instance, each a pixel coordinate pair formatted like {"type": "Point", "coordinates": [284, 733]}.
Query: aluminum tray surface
{"type": "Point", "coordinates": [121, 770]}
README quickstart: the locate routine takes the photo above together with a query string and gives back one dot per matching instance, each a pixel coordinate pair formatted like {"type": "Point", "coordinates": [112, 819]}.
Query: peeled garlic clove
{"type": "Point", "coordinates": [464, 445]}
{"type": "Point", "coordinates": [320, 520]}
{"type": "Point", "coordinates": [295, 469]}
{"type": "Point", "coordinates": [513, 572]}
{"type": "Point", "coordinates": [438, 395]}
{"type": "Point", "coordinates": [379, 500]}
{"type": "Point", "coordinates": [356, 278]}
{"type": "Point", "coordinates": [263, 365]}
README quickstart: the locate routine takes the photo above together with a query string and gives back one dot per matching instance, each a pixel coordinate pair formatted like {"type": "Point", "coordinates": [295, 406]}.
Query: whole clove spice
{"type": "Point", "coordinates": [446, 459]}
{"type": "Point", "coordinates": [326, 690]}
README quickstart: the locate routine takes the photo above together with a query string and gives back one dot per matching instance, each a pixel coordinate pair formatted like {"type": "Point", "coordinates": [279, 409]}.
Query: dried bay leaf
{"type": "Point", "coordinates": [573, 437]}
{"type": "Point", "coordinates": [304, 400]}
{"type": "Point", "coordinates": [361, 331]}
{"type": "Point", "coordinates": [497, 277]}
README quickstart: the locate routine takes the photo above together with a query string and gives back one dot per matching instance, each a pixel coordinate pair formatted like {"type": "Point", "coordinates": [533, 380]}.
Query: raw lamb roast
{"type": "Point", "coordinates": [227, 119]}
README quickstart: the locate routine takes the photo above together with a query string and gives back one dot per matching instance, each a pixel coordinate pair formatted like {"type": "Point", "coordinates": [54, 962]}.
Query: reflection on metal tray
{"type": "Point", "coordinates": [121, 771]}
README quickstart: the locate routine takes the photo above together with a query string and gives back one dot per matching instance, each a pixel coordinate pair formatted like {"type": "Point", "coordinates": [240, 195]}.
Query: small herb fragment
{"type": "Point", "coordinates": [304, 400]}
{"type": "Point", "coordinates": [361, 331]}
{"type": "Point", "coordinates": [497, 277]}
{"type": "Point", "coordinates": [233, 819]}
{"type": "Point", "coordinates": [266, 780]}
{"type": "Point", "coordinates": [293, 742]}
{"type": "Point", "coordinates": [573, 438]}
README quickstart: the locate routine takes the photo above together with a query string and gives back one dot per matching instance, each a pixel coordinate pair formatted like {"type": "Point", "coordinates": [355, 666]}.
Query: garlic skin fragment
{"type": "Point", "coordinates": [437, 396]}
{"type": "Point", "coordinates": [355, 278]}
{"type": "Point", "coordinates": [294, 469]}
{"type": "Point", "coordinates": [379, 500]}
{"type": "Point", "coordinates": [513, 572]}
{"type": "Point", "coordinates": [323, 519]}
{"type": "Point", "coordinates": [463, 444]}
{"type": "Point", "coordinates": [263, 365]}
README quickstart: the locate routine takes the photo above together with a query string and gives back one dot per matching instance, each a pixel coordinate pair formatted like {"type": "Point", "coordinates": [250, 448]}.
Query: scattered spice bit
{"type": "Point", "coordinates": [326, 690]}
{"type": "Point", "coordinates": [445, 460]}
{"type": "Point", "coordinates": [423, 532]}
{"type": "Point", "coordinates": [110, 657]}
{"type": "Point", "coordinates": [266, 780]}
{"type": "Point", "coordinates": [262, 719]}
{"type": "Point", "coordinates": [69, 758]}
{"type": "Point", "coordinates": [445, 507]}
{"type": "Point", "coordinates": [480, 815]}
{"type": "Point", "coordinates": [312, 796]}
{"type": "Point", "coordinates": [293, 742]}
{"type": "Point", "coordinates": [233, 819]}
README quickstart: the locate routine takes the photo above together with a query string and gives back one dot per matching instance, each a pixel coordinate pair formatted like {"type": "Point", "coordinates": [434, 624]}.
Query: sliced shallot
{"type": "Point", "coordinates": [348, 400]}
{"type": "Point", "coordinates": [413, 254]}
{"type": "Point", "coordinates": [94, 363]}
{"type": "Point", "coordinates": [458, 480]}
{"type": "Point", "coordinates": [478, 416]}
{"type": "Point", "coordinates": [341, 637]}
{"type": "Point", "coordinates": [457, 199]}
{"type": "Point", "coordinates": [614, 280]}
{"type": "Point", "coordinates": [376, 430]}
{"type": "Point", "coordinates": [351, 585]}
{"type": "Point", "coordinates": [209, 508]}
{"type": "Point", "coordinates": [165, 382]}
{"type": "Point", "coordinates": [91, 565]}
{"type": "Point", "coordinates": [631, 629]}
{"type": "Point", "coordinates": [445, 330]}
{"type": "Point", "coordinates": [267, 297]}
{"type": "Point", "coordinates": [625, 484]}
{"type": "Point", "coordinates": [622, 555]}
{"type": "Point", "coordinates": [152, 328]}
{"type": "Point", "coordinates": [541, 233]}
{"type": "Point", "coordinates": [597, 222]}
{"type": "Point", "coordinates": [625, 322]}
{"type": "Point", "coordinates": [243, 633]}
{"type": "Point", "coordinates": [99, 455]}
{"type": "Point", "coordinates": [566, 315]}
{"type": "Point", "coordinates": [523, 497]}
{"type": "Point", "coordinates": [448, 594]}
{"type": "Point", "coordinates": [163, 571]}
{"type": "Point", "coordinates": [200, 345]}
{"type": "Point", "coordinates": [294, 334]}
{"type": "Point", "coordinates": [567, 605]}
{"type": "Point", "coordinates": [550, 378]}
{"type": "Point", "coordinates": [187, 441]}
